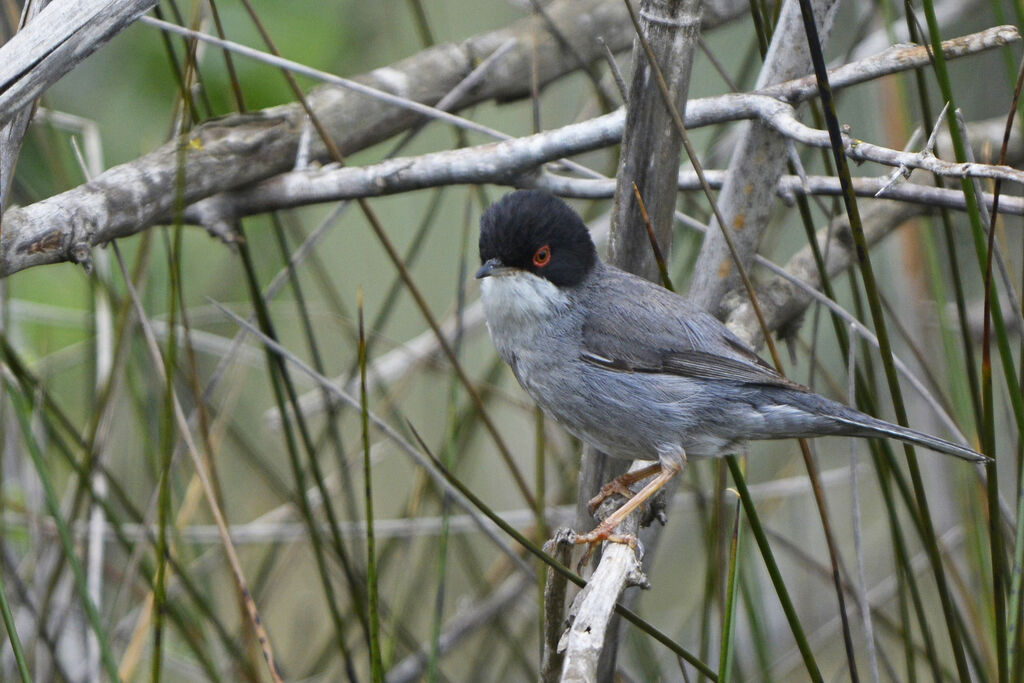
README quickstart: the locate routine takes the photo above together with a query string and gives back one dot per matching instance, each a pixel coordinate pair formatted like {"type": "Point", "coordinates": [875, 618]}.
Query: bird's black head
{"type": "Point", "coordinates": [535, 231]}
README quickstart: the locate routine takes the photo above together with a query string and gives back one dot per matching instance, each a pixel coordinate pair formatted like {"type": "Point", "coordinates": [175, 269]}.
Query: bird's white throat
{"type": "Point", "coordinates": [520, 298]}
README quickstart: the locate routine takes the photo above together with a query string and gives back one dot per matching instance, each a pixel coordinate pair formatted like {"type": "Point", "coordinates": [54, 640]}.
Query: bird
{"type": "Point", "coordinates": [631, 368]}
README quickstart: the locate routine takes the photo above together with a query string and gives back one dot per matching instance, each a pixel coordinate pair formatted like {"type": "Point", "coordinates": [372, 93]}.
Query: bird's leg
{"type": "Point", "coordinates": [621, 484]}
{"type": "Point", "coordinates": [668, 466]}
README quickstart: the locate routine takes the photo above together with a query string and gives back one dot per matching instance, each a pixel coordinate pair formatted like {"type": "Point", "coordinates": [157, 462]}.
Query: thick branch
{"type": "Point", "coordinates": [501, 163]}
{"type": "Point", "coordinates": [242, 149]}
{"type": "Point", "coordinates": [235, 151]}
{"type": "Point", "coordinates": [663, 55]}
{"type": "Point", "coordinates": [650, 144]}
{"type": "Point", "coordinates": [758, 161]}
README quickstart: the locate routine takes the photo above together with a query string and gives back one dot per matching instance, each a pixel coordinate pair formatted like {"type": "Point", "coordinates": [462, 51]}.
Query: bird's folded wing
{"type": "Point", "coordinates": [693, 364]}
{"type": "Point", "coordinates": [667, 335]}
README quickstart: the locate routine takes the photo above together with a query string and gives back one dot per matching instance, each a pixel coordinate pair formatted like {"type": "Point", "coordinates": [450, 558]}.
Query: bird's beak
{"type": "Point", "coordinates": [490, 267]}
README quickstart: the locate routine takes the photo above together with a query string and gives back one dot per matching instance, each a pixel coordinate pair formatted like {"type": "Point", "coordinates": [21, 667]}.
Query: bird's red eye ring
{"type": "Point", "coordinates": [542, 257]}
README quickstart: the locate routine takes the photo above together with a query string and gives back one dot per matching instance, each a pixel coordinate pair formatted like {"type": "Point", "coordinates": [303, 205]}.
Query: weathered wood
{"type": "Point", "coordinates": [649, 165]}
{"type": "Point", "coordinates": [650, 144]}
{"type": "Point", "coordinates": [586, 641]}
{"type": "Point", "coordinates": [12, 131]}
{"type": "Point", "coordinates": [748, 200]}
{"type": "Point", "coordinates": [129, 198]}
{"type": "Point", "coordinates": [61, 36]}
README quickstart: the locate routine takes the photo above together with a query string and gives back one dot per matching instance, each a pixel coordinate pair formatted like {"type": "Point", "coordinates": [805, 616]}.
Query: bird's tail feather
{"type": "Point", "coordinates": [871, 426]}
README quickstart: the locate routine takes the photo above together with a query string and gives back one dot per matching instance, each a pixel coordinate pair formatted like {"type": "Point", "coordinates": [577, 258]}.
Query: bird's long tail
{"type": "Point", "coordinates": [865, 425]}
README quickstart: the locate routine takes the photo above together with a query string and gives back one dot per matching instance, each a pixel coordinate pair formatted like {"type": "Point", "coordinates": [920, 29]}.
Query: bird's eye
{"type": "Point", "coordinates": [542, 256]}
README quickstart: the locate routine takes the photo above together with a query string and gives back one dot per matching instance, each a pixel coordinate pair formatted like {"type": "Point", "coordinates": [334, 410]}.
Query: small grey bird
{"type": "Point", "coordinates": [631, 368]}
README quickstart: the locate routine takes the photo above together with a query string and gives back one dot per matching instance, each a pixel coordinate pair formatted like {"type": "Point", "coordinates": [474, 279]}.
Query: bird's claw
{"type": "Point", "coordinates": [600, 534]}
{"type": "Point", "coordinates": [614, 487]}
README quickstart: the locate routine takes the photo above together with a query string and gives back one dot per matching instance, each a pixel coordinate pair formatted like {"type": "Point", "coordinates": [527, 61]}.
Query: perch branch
{"type": "Point", "coordinates": [129, 198]}
{"type": "Point", "coordinates": [590, 612]}
{"type": "Point", "coordinates": [645, 199]}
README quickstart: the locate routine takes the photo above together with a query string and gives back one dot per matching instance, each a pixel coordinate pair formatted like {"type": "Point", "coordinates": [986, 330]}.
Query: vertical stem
{"type": "Point", "coordinates": [376, 665]}
{"type": "Point", "coordinates": [12, 635]}
{"type": "Point", "coordinates": [725, 656]}
{"type": "Point", "coordinates": [650, 161]}
{"type": "Point", "coordinates": [650, 144]}
{"type": "Point", "coordinates": [773, 568]}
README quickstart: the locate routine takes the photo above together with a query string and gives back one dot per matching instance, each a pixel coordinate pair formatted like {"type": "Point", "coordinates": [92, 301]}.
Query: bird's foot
{"type": "Point", "coordinates": [601, 533]}
{"type": "Point", "coordinates": [620, 486]}
{"type": "Point", "coordinates": [612, 488]}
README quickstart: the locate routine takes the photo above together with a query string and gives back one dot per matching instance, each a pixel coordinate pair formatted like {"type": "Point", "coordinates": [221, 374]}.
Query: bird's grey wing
{"type": "Point", "coordinates": [665, 334]}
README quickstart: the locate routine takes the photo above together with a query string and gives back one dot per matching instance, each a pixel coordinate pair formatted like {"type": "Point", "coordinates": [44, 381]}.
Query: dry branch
{"type": "Point", "coordinates": [589, 614]}
{"type": "Point", "coordinates": [758, 161]}
{"type": "Point", "coordinates": [663, 54]}
{"type": "Point", "coordinates": [241, 150]}
{"type": "Point", "coordinates": [235, 151]}
{"type": "Point", "coordinates": [790, 186]}
{"type": "Point", "coordinates": [61, 36]}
